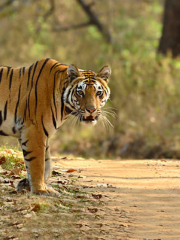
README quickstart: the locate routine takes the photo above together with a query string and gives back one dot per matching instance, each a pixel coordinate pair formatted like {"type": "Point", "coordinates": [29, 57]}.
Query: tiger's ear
{"type": "Point", "coordinates": [73, 72]}
{"type": "Point", "coordinates": [104, 73]}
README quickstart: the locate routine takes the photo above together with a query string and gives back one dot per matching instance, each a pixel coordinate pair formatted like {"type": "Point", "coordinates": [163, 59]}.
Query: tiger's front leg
{"type": "Point", "coordinates": [48, 166]}
{"type": "Point", "coordinates": [33, 143]}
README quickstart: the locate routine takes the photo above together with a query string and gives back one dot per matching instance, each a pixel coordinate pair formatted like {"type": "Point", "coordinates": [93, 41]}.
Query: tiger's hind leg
{"type": "Point", "coordinates": [23, 185]}
{"type": "Point", "coordinates": [34, 145]}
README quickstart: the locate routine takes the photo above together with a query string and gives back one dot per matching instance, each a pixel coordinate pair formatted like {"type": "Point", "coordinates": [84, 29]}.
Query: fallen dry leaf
{"type": "Point", "coordinates": [97, 196]}
{"type": "Point", "coordinates": [71, 170]}
{"type": "Point", "coordinates": [19, 226]}
{"type": "Point", "coordinates": [85, 227]}
{"type": "Point", "coordinates": [36, 207]}
{"type": "Point", "coordinates": [12, 184]}
{"type": "Point", "coordinates": [23, 211]}
{"type": "Point", "coordinates": [62, 181]}
{"type": "Point", "coordinates": [13, 192]}
{"type": "Point", "coordinates": [92, 210]}
{"type": "Point", "coordinates": [123, 225]}
{"type": "Point", "coordinates": [76, 211]}
{"type": "Point", "coordinates": [2, 160]}
{"type": "Point", "coordinates": [20, 161]}
{"type": "Point", "coordinates": [15, 177]}
{"type": "Point", "coordinates": [15, 171]}
{"type": "Point", "coordinates": [8, 151]}
{"type": "Point", "coordinates": [100, 225]}
{"type": "Point", "coordinates": [7, 199]}
{"type": "Point", "coordinates": [6, 180]}
{"type": "Point", "coordinates": [28, 215]}
{"type": "Point", "coordinates": [79, 225]}
{"type": "Point", "coordinates": [56, 173]}
{"type": "Point", "coordinates": [10, 237]}
{"type": "Point", "coordinates": [14, 223]}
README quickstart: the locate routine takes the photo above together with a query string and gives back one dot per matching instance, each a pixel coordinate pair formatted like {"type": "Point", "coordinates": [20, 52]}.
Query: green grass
{"type": "Point", "coordinates": [11, 162]}
{"type": "Point", "coordinates": [12, 159]}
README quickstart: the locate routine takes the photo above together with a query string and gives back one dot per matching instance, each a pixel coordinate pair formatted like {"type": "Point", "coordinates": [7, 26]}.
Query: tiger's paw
{"type": "Point", "coordinates": [48, 192]}
{"type": "Point", "coordinates": [23, 185]}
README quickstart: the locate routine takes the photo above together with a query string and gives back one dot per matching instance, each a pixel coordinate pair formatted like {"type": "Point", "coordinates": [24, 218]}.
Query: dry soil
{"type": "Point", "coordinates": [141, 198]}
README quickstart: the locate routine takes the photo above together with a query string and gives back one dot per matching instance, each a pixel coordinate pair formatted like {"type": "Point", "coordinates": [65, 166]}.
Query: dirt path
{"type": "Point", "coordinates": [140, 199]}
{"type": "Point", "coordinates": [100, 200]}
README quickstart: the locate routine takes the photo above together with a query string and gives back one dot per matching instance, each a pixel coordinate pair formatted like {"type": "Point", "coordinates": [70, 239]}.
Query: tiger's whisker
{"type": "Point", "coordinates": [107, 121]}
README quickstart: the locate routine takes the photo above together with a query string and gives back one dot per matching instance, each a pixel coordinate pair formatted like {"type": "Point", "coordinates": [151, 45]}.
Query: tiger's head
{"type": "Point", "coordinates": [87, 93]}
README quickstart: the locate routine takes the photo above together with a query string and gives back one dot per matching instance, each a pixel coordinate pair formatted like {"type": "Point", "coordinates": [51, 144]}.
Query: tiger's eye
{"type": "Point", "coordinates": [80, 92]}
{"type": "Point", "coordinates": [99, 93]}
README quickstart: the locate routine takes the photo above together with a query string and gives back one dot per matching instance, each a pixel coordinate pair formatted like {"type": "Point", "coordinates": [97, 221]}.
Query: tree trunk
{"type": "Point", "coordinates": [170, 39]}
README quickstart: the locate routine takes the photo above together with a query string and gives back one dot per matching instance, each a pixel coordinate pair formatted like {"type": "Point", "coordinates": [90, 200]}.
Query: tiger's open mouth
{"type": "Point", "coordinates": [89, 119]}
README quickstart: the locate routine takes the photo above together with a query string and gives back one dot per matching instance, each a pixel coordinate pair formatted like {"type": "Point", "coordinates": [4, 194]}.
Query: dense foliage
{"type": "Point", "coordinates": [145, 86]}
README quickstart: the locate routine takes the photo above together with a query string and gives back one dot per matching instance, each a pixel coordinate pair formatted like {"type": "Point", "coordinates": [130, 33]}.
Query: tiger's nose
{"type": "Point", "coordinates": [90, 109]}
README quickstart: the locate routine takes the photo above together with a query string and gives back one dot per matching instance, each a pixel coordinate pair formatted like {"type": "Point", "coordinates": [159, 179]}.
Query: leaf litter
{"type": "Point", "coordinates": [76, 214]}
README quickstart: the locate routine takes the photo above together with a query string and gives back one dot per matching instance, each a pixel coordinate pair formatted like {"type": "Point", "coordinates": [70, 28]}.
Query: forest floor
{"type": "Point", "coordinates": [100, 199]}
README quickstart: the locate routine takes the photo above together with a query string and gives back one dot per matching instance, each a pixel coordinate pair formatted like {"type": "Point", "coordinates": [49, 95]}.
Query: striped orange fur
{"type": "Point", "coordinates": [36, 100]}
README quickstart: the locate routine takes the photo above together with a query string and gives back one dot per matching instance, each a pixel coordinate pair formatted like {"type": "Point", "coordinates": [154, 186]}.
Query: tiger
{"type": "Point", "coordinates": [35, 101]}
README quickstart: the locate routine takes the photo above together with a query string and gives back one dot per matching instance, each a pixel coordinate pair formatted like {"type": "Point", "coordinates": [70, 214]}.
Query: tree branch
{"type": "Point", "coordinates": [95, 20]}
